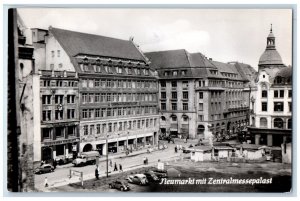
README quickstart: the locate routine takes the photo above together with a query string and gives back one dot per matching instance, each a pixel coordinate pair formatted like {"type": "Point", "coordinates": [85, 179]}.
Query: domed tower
{"type": "Point", "coordinates": [270, 58]}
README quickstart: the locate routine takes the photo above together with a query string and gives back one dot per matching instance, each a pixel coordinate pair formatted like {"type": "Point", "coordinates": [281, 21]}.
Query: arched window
{"type": "Point", "coordinates": [185, 118]}
{"type": "Point", "coordinates": [201, 129]}
{"type": "Point", "coordinates": [163, 118]}
{"type": "Point", "coordinates": [289, 124]}
{"type": "Point", "coordinates": [278, 123]}
{"type": "Point", "coordinates": [174, 118]}
{"type": "Point", "coordinates": [278, 80]}
{"type": "Point", "coordinates": [263, 122]}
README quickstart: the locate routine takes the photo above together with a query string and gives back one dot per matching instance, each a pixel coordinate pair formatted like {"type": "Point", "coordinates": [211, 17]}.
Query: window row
{"type": "Point", "coordinates": [277, 123]}
{"type": "Point", "coordinates": [118, 126]}
{"type": "Point", "coordinates": [107, 83]}
{"type": "Point", "coordinates": [175, 72]}
{"type": "Point", "coordinates": [58, 83]}
{"type": "Point", "coordinates": [117, 97]}
{"type": "Point", "coordinates": [185, 106]}
{"type": "Point", "coordinates": [185, 84]}
{"type": "Point", "coordinates": [53, 53]}
{"type": "Point", "coordinates": [58, 114]}
{"type": "Point", "coordinates": [115, 112]}
{"type": "Point", "coordinates": [278, 106]}
{"type": "Point", "coordinates": [111, 69]}
{"type": "Point", "coordinates": [185, 95]}
{"type": "Point", "coordinates": [59, 132]}
{"type": "Point", "coordinates": [57, 99]}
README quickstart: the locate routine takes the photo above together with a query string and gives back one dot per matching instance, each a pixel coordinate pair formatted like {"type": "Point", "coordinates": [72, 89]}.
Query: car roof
{"type": "Point", "coordinates": [140, 175]}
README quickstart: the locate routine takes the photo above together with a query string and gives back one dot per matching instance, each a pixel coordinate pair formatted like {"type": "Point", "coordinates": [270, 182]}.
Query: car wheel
{"type": "Point", "coordinates": [122, 189]}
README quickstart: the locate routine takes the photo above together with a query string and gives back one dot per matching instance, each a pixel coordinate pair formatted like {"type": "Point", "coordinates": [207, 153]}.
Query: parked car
{"type": "Point", "coordinates": [61, 160]}
{"type": "Point", "coordinates": [86, 158]}
{"type": "Point", "coordinates": [151, 176]}
{"type": "Point", "coordinates": [160, 173]}
{"type": "Point", "coordinates": [139, 179]}
{"type": "Point", "coordinates": [120, 185]}
{"type": "Point", "coordinates": [185, 150]}
{"type": "Point", "coordinates": [44, 169]}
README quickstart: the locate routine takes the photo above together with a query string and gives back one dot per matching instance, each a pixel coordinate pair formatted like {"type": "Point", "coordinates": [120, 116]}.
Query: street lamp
{"type": "Point", "coordinates": [107, 155]}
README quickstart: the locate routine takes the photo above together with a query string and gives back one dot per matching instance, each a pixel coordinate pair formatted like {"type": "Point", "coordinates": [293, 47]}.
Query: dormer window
{"type": "Point", "coordinates": [146, 71]}
{"type": "Point", "coordinates": [166, 73]}
{"type": "Point", "coordinates": [129, 70]}
{"type": "Point", "coordinates": [119, 69]}
{"type": "Point", "coordinates": [183, 72]}
{"type": "Point", "coordinates": [175, 73]}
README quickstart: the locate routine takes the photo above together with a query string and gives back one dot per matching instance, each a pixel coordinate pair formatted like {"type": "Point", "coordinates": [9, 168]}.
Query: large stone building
{"type": "Point", "coordinates": [95, 91]}
{"type": "Point", "coordinates": [271, 99]}
{"type": "Point", "coordinates": [199, 96]}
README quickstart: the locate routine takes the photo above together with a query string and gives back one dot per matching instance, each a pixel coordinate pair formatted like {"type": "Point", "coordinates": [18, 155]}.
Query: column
{"type": "Point", "coordinates": [104, 149]}
{"type": "Point", "coordinates": [117, 146]}
{"type": "Point", "coordinates": [67, 149]}
{"type": "Point", "coordinates": [257, 139]}
{"type": "Point", "coordinates": [270, 140]}
{"type": "Point", "coordinates": [54, 151]}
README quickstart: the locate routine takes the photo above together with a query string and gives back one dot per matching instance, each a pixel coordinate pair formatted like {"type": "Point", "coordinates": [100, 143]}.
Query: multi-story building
{"type": "Point", "coordinates": [271, 99]}
{"type": "Point", "coordinates": [199, 96]}
{"type": "Point", "coordinates": [117, 90]}
{"type": "Point", "coordinates": [59, 99]}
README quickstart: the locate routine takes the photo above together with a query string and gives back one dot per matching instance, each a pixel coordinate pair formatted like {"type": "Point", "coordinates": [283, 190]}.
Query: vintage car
{"type": "Point", "coordinates": [159, 173]}
{"type": "Point", "coordinates": [151, 176]}
{"type": "Point", "coordinates": [44, 169]}
{"type": "Point", "coordinates": [139, 179]}
{"type": "Point", "coordinates": [120, 185]}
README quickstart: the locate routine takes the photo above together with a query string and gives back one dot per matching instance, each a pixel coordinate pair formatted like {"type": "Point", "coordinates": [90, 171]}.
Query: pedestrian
{"type": "Point", "coordinates": [186, 139]}
{"type": "Point", "coordinates": [54, 164]}
{"type": "Point", "coordinates": [42, 163]}
{"type": "Point", "coordinates": [175, 149]}
{"type": "Point", "coordinates": [120, 168]}
{"type": "Point", "coordinates": [46, 182]}
{"type": "Point", "coordinates": [116, 167]}
{"type": "Point", "coordinates": [146, 161]}
{"type": "Point", "coordinates": [110, 163]}
{"type": "Point", "coordinates": [97, 173]}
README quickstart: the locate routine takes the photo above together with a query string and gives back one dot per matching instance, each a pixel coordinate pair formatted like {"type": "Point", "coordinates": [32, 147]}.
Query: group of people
{"type": "Point", "coordinates": [116, 166]}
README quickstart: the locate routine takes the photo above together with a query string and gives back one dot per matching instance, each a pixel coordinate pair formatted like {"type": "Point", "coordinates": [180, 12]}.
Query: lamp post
{"type": "Point", "coordinates": [107, 155]}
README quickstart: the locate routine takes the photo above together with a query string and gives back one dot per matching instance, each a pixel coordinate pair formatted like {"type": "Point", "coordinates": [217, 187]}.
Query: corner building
{"type": "Point", "coordinates": [118, 92]}
{"type": "Point", "coordinates": [199, 96]}
{"type": "Point", "coordinates": [271, 99]}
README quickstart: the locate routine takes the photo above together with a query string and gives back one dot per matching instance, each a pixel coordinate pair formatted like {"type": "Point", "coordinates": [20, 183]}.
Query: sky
{"type": "Point", "coordinates": [221, 34]}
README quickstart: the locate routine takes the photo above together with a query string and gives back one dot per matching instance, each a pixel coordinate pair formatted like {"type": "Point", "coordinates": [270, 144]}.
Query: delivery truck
{"type": "Point", "coordinates": [86, 158]}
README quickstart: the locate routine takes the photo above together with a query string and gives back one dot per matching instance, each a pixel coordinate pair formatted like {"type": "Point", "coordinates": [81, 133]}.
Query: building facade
{"type": "Point", "coordinates": [271, 99]}
{"type": "Point", "coordinates": [199, 97]}
{"type": "Point", "coordinates": [105, 90]}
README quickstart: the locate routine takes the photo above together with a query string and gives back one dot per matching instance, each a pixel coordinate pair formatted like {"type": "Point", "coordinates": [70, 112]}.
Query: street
{"type": "Point", "coordinates": [61, 174]}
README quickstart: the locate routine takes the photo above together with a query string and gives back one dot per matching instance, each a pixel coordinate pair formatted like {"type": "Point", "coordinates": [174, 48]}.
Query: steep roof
{"type": "Point", "coordinates": [75, 43]}
{"type": "Point", "coordinates": [285, 72]}
{"type": "Point", "coordinates": [247, 72]}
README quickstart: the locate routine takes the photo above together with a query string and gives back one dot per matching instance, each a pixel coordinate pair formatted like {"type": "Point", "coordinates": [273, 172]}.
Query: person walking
{"type": "Point", "coordinates": [110, 163]}
{"type": "Point", "coordinates": [120, 168]}
{"type": "Point", "coordinates": [175, 149]}
{"type": "Point", "coordinates": [146, 161]}
{"type": "Point", "coordinates": [54, 164]}
{"type": "Point", "coordinates": [116, 167]}
{"type": "Point", "coordinates": [46, 182]}
{"type": "Point", "coordinates": [97, 173]}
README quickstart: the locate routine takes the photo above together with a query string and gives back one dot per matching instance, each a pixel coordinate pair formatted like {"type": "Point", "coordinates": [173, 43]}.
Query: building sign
{"type": "Point", "coordinates": [160, 165]}
{"type": "Point", "coordinates": [60, 142]}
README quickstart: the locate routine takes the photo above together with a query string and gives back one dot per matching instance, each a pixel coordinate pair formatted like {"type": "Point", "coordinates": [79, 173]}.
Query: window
{"type": "Point", "coordinates": [163, 95]}
{"type": "Point", "coordinates": [46, 99]}
{"type": "Point", "coordinates": [110, 127]}
{"type": "Point", "coordinates": [70, 98]}
{"type": "Point", "coordinates": [264, 94]}
{"type": "Point", "coordinates": [84, 113]}
{"type": "Point", "coordinates": [139, 124]}
{"type": "Point", "coordinates": [163, 106]}
{"type": "Point", "coordinates": [58, 53]}
{"type": "Point", "coordinates": [59, 131]}
{"type": "Point", "coordinates": [174, 106]}
{"type": "Point", "coordinates": [275, 94]}
{"type": "Point", "coordinates": [174, 84]}
{"type": "Point", "coordinates": [163, 118]}
{"type": "Point", "coordinates": [201, 106]}
{"type": "Point", "coordinates": [60, 65]}
{"type": "Point", "coordinates": [119, 70]}
{"type": "Point", "coordinates": [97, 112]}
{"type": "Point", "coordinates": [97, 98]}
{"type": "Point", "coordinates": [278, 106]}
{"type": "Point", "coordinates": [59, 114]}
{"type": "Point", "coordinates": [90, 113]}
{"type": "Point", "coordinates": [98, 128]}
{"type": "Point", "coordinates": [108, 112]}
{"type": "Point", "coordinates": [52, 53]}
{"type": "Point", "coordinates": [200, 95]}
{"type": "Point", "coordinates": [200, 118]}
{"type": "Point", "coordinates": [59, 99]}
{"type": "Point", "coordinates": [185, 95]}
{"type": "Point", "coordinates": [200, 130]}
{"type": "Point", "coordinates": [185, 106]}
{"type": "Point", "coordinates": [289, 124]}
{"type": "Point", "coordinates": [278, 123]}
{"type": "Point", "coordinates": [162, 84]}
{"type": "Point", "coordinates": [174, 95]}
{"type": "Point", "coordinates": [174, 118]}
{"type": "Point", "coordinates": [71, 113]}
{"type": "Point", "coordinates": [264, 106]}
{"type": "Point", "coordinates": [281, 93]}
{"type": "Point", "coordinates": [166, 73]}
{"type": "Point", "coordinates": [84, 97]}
{"type": "Point", "coordinates": [46, 132]}
{"type": "Point", "coordinates": [290, 107]}
{"type": "Point", "coordinates": [290, 93]}
{"type": "Point", "coordinates": [47, 115]}
{"type": "Point", "coordinates": [183, 72]}
{"type": "Point", "coordinates": [85, 130]}
{"type": "Point", "coordinates": [129, 71]}
{"type": "Point", "coordinates": [175, 73]}
{"type": "Point", "coordinates": [263, 123]}
{"type": "Point", "coordinates": [185, 84]}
